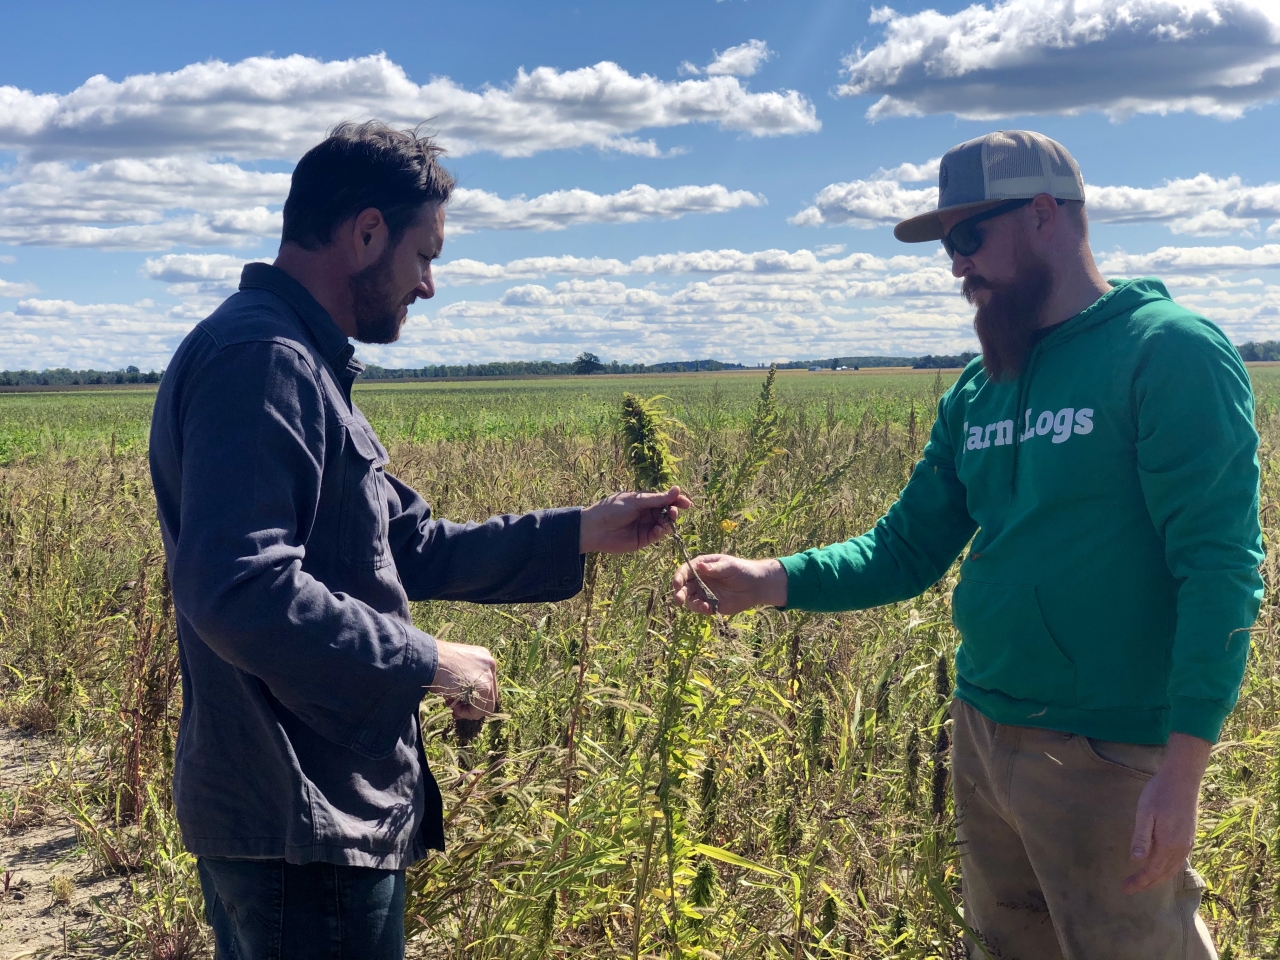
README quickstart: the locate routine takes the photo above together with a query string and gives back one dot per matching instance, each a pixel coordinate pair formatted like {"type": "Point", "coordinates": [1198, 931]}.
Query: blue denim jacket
{"type": "Point", "coordinates": [293, 557]}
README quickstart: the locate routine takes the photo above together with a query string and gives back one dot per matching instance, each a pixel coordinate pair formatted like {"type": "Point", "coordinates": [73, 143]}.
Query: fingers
{"type": "Point", "coordinates": [1144, 831]}
{"type": "Point", "coordinates": [1160, 867]}
{"type": "Point", "coordinates": [688, 593]}
{"type": "Point", "coordinates": [1160, 857]}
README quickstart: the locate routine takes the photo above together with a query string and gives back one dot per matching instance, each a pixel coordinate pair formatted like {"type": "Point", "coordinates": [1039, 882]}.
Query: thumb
{"type": "Point", "coordinates": [1144, 828]}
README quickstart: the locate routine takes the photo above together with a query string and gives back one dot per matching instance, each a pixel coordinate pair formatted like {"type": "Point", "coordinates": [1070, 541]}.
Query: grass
{"type": "Point", "coordinates": [774, 785]}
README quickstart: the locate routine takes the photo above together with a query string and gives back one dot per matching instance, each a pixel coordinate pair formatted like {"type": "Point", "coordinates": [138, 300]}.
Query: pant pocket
{"type": "Point", "coordinates": [1140, 760]}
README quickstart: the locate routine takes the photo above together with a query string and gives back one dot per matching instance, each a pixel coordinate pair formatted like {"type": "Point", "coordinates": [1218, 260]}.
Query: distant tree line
{"type": "Point", "coordinates": [64, 377]}
{"type": "Point", "coordinates": [1266, 350]}
{"type": "Point", "coordinates": [583, 364]}
{"type": "Point", "coordinates": [931, 362]}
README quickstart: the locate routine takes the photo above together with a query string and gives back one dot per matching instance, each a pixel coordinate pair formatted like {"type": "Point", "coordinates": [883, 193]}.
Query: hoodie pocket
{"type": "Point", "coordinates": [1006, 647]}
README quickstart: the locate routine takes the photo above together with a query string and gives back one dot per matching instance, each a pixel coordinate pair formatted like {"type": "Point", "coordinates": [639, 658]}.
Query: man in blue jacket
{"type": "Point", "coordinates": [299, 776]}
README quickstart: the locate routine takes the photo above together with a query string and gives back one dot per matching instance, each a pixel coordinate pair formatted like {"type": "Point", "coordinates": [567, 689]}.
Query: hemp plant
{"type": "Point", "coordinates": [648, 443]}
{"type": "Point", "coordinates": [653, 463]}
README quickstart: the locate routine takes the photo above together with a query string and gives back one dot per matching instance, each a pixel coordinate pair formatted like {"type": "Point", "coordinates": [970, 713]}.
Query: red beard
{"type": "Point", "coordinates": [1005, 323]}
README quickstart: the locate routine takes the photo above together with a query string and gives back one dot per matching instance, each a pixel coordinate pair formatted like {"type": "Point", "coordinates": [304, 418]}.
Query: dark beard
{"type": "Point", "coordinates": [1011, 314]}
{"type": "Point", "coordinates": [374, 304]}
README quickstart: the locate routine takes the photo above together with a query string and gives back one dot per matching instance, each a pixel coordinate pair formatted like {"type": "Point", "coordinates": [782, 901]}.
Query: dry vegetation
{"type": "Point", "coordinates": [774, 785]}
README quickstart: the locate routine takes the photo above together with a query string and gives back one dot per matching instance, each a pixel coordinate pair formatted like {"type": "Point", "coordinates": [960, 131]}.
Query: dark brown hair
{"type": "Point", "coordinates": [361, 166]}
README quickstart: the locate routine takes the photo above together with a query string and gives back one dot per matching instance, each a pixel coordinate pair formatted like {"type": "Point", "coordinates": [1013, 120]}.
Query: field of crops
{"type": "Point", "coordinates": [773, 785]}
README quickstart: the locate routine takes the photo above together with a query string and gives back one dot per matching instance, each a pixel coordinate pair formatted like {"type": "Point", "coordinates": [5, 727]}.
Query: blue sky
{"type": "Point", "coordinates": [647, 181]}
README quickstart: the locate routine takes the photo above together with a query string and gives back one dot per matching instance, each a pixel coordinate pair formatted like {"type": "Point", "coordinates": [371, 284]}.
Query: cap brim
{"type": "Point", "coordinates": [928, 226]}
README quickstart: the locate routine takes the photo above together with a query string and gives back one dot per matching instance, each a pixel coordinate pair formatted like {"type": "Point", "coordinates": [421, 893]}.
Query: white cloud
{"type": "Point", "coordinates": [159, 160]}
{"type": "Point", "coordinates": [732, 304]}
{"type": "Point", "coordinates": [278, 107]}
{"type": "Point", "coordinates": [799, 264]}
{"type": "Point", "coordinates": [910, 172]}
{"type": "Point", "coordinates": [1199, 206]}
{"type": "Point", "coordinates": [59, 333]}
{"type": "Point", "coordinates": [1215, 57]}
{"type": "Point", "coordinates": [208, 276]}
{"type": "Point", "coordinates": [1178, 260]}
{"type": "Point", "coordinates": [8, 288]}
{"type": "Point", "coordinates": [740, 61]}
{"type": "Point", "coordinates": [156, 203]}
{"type": "Point", "coordinates": [865, 204]}
{"type": "Point", "coordinates": [147, 203]}
{"type": "Point", "coordinates": [471, 210]}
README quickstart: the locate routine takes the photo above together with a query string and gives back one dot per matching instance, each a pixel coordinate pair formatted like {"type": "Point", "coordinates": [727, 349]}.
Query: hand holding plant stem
{"type": "Point", "coordinates": [626, 522]}
{"type": "Point", "coordinates": [719, 583]}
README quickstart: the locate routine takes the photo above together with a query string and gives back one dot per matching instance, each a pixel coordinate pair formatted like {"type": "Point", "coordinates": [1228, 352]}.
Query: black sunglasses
{"type": "Point", "coordinates": [965, 238]}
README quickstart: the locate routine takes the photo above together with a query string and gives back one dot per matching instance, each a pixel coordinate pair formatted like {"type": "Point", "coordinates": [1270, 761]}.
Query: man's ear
{"type": "Point", "coordinates": [1046, 210]}
{"type": "Point", "coordinates": [369, 236]}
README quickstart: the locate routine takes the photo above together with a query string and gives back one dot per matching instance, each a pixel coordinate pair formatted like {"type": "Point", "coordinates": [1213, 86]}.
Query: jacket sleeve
{"type": "Point", "coordinates": [507, 559]}
{"type": "Point", "coordinates": [252, 425]}
{"type": "Point", "coordinates": [907, 551]}
{"type": "Point", "coordinates": [1198, 466]}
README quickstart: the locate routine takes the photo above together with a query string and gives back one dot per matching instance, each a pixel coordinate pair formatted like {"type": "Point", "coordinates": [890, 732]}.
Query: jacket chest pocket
{"type": "Point", "coordinates": [363, 525]}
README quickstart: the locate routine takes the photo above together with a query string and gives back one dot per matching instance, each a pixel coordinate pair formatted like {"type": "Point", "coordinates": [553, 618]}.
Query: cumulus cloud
{"type": "Point", "coordinates": [910, 172]}
{"type": "Point", "coordinates": [43, 333]}
{"type": "Point", "coordinates": [9, 288]}
{"type": "Point", "coordinates": [734, 304]}
{"type": "Point", "coordinates": [797, 263]}
{"type": "Point", "coordinates": [148, 203]}
{"type": "Point", "coordinates": [471, 210]}
{"type": "Point", "coordinates": [278, 107]}
{"type": "Point", "coordinates": [740, 61]}
{"type": "Point", "coordinates": [865, 204]}
{"type": "Point", "coordinates": [1179, 260]}
{"type": "Point", "coordinates": [1215, 57]}
{"type": "Point", "coordinates": [156, 203]}
{"type": "Point", "coordinates": [1199, 206]}
{"type": "Point", "coordinates": [203, 275]}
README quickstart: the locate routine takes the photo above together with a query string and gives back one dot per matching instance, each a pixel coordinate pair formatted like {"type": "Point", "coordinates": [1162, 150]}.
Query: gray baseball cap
{"type": "Point", "coordinates": [1005, 165]}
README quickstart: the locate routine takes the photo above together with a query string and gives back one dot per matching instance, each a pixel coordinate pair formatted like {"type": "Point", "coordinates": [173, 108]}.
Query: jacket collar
{"type": "Point", "coordinates": [333, 343]}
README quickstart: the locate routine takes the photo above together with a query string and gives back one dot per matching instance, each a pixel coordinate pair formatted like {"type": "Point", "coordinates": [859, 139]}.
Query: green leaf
{"type": "Point", "coordinates": [724, 856]}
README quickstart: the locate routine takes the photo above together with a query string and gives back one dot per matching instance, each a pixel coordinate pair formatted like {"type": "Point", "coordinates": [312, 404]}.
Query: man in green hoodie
{"type": "Point", "coordinates": [1101, 456]}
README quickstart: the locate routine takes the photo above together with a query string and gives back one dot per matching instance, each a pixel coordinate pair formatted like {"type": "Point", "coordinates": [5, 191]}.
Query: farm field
{"type": "Point", "coordinates": [660, 785]}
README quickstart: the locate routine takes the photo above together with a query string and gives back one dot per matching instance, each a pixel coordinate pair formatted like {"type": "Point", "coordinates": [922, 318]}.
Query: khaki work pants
{"type": "Point", "coordinates": [1043, 823]}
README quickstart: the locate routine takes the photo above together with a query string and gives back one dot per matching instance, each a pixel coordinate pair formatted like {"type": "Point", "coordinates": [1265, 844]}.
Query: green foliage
{"type": "Point", "coordinates": [774, 786]}
{"type": "Point", "coordinates": [587, 363]}
{"type": "Point", "coordinates": [648, 445]}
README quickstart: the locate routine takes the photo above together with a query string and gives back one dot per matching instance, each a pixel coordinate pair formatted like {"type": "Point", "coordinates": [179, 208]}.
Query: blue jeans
{"type": "Point", "coordinates": [272, 910]}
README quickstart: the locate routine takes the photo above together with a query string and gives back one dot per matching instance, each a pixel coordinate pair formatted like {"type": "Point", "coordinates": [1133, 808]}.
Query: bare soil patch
{"type": "Point", "coordinates": [41, 915]}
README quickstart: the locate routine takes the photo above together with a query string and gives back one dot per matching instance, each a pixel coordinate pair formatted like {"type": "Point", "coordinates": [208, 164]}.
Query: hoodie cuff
{"type": "Point", "coordinates": [1198, 718]}
{"type": "Point", "coordinates": [804, 581]}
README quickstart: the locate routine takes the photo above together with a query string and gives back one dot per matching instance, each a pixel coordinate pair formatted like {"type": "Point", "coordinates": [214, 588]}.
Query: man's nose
{"type": "Point", "coordinates": [426, 288]}
{"type": "Point", "coordinates": [961, 267]}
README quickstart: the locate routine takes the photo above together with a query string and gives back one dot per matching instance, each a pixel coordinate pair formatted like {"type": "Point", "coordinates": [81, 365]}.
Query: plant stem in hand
{"type": "Point", "coordinates": [684, 555]}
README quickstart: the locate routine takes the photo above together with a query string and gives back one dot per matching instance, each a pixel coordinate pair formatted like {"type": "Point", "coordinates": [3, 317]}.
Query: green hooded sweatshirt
{"type": "Point", "coordinates": [1113, 487]}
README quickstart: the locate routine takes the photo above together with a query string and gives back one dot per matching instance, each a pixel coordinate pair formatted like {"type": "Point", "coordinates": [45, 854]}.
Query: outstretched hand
{"type": "Point", "coordinates": [625, 522]}
{"type": "Point", "coordinates": [737, 583]}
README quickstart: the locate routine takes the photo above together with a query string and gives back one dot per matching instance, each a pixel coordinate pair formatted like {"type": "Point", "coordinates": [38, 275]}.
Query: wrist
{"type": "Point", "coordinates": [774, 586]}
{"type": "Point", "coordinates": [1187, 755]}
{"type": "Point", "coordinates": [586, 531]}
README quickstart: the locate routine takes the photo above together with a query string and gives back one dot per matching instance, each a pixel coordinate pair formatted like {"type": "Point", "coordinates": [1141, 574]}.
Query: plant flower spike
{"type": "Point", "coordinates": [653, 464]}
